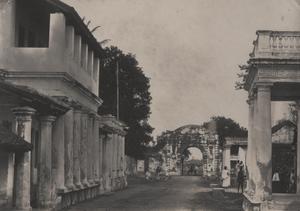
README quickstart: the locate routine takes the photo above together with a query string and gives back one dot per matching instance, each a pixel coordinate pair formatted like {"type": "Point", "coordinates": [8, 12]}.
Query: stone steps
{"type": "Point", "coordinates": [285, 202]}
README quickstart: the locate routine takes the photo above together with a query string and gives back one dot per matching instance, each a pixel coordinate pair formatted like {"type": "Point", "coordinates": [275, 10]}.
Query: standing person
{"type": "Point", "coordinates": [292, 184]}
{"type": "Point", "coordinates": [276, 182]}
{"type": "Point", "coordinates": [241, 179]}
{"type": "Point", "coordinates": [225, 178]}
{"type": "Point", "coordinates": [158, 169]}
{"type": "Point", "coordinates": [148, 175]}
{"type": "Point", "coordinates": [236, 172]}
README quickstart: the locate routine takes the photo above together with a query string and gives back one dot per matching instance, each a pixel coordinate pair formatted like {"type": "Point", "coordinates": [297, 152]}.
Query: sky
{"type": "Point", "coordinates": [190, 49]}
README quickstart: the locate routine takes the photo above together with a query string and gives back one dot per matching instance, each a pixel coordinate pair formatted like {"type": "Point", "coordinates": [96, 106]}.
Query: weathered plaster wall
{"type": "Point", "coordinates": [3, 173]}
{"type": "Point", "coordinates": [55, 58]}
{"type": "Point", "coordinates": [52, 86]}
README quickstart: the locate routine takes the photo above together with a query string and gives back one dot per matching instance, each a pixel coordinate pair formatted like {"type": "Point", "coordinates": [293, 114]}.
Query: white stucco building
{"type": "Point", "coordinates": [49, 64]}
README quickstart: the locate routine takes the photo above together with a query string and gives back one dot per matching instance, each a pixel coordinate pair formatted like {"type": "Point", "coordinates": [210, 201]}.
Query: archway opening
{"type": "Point", "coordinates": [192, 164]}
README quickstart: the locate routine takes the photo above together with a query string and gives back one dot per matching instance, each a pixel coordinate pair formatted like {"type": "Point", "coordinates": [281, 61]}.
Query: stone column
{"type": "Point", "coordinates": [90, 149]}
{"type": "Point", "coordinates": [45, 163]}
{"type": "Point", "coordinates": [116, 149]}
{"type": "Point", "coordinates": [77, 49]}
{"type": "Point", "coordinates": [69, 164]}
{"type": "Point", "coordinates": [22, 160]}
{"type": "Point", "coordinates": [123, 155]}
{"type": "Point", "coordinates": [226, 157]}
{"type": "Point", "coordinates": [84, 56]}
{"type": "Point", "coordinates": [114, 157]}
{"type": "Point", "coordinates": [70, 34]}
{"type": "Point", "coordinates": [119, 155]}
{"type": "Point", "coordinates": [90, 62]}
{"type": "Point", "coordinates": [104, 160]}
{"type": "Point", "coordinates": [264, 142]}
{"type": "Point", "coordinates": [57, 35]}
{"type": "Point", "coordinates": [76, 148]}
{"type": "Point", "coordinates": [96, 69]}
{"type": "Point", "coordinates": [109, 139]}
{"type": "Point", "coordinates": [83, 149]}
{"type": "Point", "coordinates": [58, 154]}
{"type": "Point", "coordinates": [101, 157]}
{"type": "Point", "coordinates": [7, 23]}
{"type": "Point", "coordinates": [96, 151]}
{"type": "Point", "coordinates": [249, 154]}
{"type": "Point", "coordinates": [298, 146]}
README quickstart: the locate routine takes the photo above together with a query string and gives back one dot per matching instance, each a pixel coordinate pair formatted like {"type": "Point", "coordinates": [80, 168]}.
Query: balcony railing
{"type": "Point", "coordinates": [277, 44]}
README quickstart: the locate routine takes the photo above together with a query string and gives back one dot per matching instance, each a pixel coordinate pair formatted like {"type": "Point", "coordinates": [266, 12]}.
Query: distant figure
{"type": "Point", "coordinates": [157, 171]}
{"type": "Point", "coordinates": [191, 170]}
{"type": "Point", "coordinates": [241, 179]}
{"type": "Point", "coordinates": [292, 182]}
{"type": "Point", "coordinates": [148, 175]}
{"type": "Point", "coordinates": [276, 182]}
{"type": "Point", "coordinates": [225, 178]}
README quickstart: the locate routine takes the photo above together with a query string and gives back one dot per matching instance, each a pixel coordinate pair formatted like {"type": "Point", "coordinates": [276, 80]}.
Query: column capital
{"type": "Point", "coordinates": [85, 112]}
{"type": "Point", "coordinates": [91, 115]}
{"type": "Point", "coordinates": [109, 136]}
{"type": "Point", "coordinates": [263, 86]}
{"type": "Point", "coordinates": [47, 119]}
{"type": "Point", "coordinates": [23, 113]}
{"type": "Point", "coordinates": [77, 111]}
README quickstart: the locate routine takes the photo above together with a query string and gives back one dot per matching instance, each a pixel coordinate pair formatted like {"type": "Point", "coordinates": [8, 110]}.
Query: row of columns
{"type": "Point", "coordinates": [74, 51]}
{"type": "Point", "coordinates": [71, 155]}
{"type": "Point", "coordinates": [113, 148]}
{"type": "Point", "coordinates": [80, 51]}
{"type": "Point", "coordinates": [81, 145]}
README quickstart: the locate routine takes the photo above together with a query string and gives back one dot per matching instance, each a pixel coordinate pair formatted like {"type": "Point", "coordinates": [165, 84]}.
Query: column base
{"type": "Point", "coordinates": [78, 185]}
{"type": "Point", "coordinates": [22, 209]}
{"type": "Point", "coordinates": [61, 189]}
{"type": "Point", "coordinates": [70, 187]}
{"type": "Point", "coordinates": [250, 204]}
{"type": "Point", "coordinates": [91, 182]}
{"type": "Point", "coordinates": [85, 183]}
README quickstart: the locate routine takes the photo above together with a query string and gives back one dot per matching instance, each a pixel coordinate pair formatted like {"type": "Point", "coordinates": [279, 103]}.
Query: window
{"type": "Point", "coordinates": [234, 150]}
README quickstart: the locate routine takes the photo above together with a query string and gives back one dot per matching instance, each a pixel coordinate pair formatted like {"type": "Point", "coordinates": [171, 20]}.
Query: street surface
{"type": "Point", "coordinates": [178, 193]}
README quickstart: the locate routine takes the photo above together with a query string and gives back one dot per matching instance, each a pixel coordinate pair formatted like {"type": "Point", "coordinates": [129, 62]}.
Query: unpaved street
{"type": "Point", "coordinates": [178, 193]}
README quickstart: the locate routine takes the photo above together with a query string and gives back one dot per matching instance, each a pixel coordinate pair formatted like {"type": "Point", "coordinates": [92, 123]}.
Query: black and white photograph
{"type": "Point", "coordinates": [149, 105]}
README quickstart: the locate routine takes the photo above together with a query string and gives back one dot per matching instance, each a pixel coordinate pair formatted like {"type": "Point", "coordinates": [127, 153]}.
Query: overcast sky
{"type": "Point", "coordinates": [190, 49]}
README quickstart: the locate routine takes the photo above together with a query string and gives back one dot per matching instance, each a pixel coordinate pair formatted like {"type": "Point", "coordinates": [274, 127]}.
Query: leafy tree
{"type": "Point", "coordinates": [134, 97]}
{"type": "Point", "coordinates": [226, 127]}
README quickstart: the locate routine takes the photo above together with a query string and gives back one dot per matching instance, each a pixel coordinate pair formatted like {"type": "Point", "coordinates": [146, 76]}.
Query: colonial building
{"type": "Point", "coordinates": [272, 74]}
{"type": "Point", "coordinates": [55, 150]}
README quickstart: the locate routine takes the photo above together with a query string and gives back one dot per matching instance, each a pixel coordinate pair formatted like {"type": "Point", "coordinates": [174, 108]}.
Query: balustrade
{"type": "Point", "coordinates": [276, 44]}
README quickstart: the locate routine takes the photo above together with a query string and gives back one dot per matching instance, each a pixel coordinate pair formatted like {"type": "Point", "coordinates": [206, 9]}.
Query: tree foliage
{"type": "Point", "coordinates": [226, 127]}
{"type": "Point", "coordinates": [244, 71]}
{"type": "Point", "coordinates": [134, 97]}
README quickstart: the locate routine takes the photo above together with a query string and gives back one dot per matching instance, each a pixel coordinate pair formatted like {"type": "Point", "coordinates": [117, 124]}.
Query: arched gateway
{"type": "Point", "coordinates": [179, 140]}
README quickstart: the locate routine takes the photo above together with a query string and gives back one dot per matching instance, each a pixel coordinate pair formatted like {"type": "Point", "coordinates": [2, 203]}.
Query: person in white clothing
{"type": "Point", "coordinates": [225, 177]}
{"type": "Point", "coordinates": [276, 182]}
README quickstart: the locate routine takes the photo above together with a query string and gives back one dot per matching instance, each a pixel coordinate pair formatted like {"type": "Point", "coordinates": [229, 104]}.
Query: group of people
{"type": "Point", "coordinates": [159, 174]}
{"type": "Point", "coordinates": [240, 176]}
{"type": "Point", "coordinates": [283, 182]}
{"type": "Point", "coordinates": [192, 170]}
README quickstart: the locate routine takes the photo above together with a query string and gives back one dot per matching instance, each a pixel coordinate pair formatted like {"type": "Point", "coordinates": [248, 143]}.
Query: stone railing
{"type": "Point", "coordinates": [277, 44]}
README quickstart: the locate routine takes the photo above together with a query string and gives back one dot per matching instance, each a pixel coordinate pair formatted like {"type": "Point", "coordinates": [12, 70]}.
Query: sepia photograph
{"type": "Point", "coordinates": [149, 105]}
